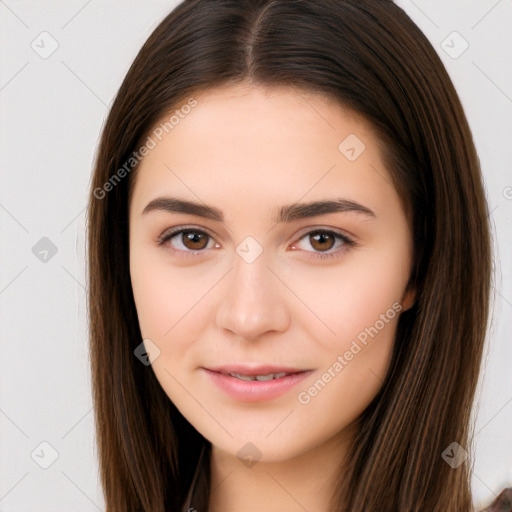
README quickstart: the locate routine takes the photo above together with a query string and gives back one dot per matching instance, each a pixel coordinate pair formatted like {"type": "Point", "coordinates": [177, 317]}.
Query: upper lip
{"type": "Point", "coordinates": [246, 369]}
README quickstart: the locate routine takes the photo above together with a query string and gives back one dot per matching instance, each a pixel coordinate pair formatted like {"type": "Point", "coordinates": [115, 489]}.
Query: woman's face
{"type": "Point", "coordinates": [252, 286]}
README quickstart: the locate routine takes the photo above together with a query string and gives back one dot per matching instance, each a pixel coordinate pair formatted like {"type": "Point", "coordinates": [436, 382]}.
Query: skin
{"type": "Point", "coordinates": [247, 151]}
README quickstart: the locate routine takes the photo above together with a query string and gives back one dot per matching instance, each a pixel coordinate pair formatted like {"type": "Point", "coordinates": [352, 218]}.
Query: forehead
{"type": "Point", "coordinates": [274, 115]}
{"type": "Point", "coordinates": [247, 144]}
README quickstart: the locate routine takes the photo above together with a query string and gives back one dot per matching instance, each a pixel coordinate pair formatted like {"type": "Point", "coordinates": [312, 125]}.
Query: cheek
{"type": "Point", "coordinates": [363, 290]}
{"type": "Point", "coordinates": [336, 397]}
{"type": "Point", "coordinates": [152, 300]}
{"type": "Point", "coordinates": [362, 310]}
{"type": "Point", "coordinates": [170, 300]}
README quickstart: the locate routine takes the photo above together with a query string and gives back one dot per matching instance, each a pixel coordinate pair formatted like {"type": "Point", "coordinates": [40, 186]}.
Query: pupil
{"type": "Point", "coordinates": [321, 237]}
{"type": "Point", "coordinates": [195, 238]}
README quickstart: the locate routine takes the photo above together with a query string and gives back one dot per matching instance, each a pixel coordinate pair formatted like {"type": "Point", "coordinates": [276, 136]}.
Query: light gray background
{"type": "Point", "coordinates": [53, 110]}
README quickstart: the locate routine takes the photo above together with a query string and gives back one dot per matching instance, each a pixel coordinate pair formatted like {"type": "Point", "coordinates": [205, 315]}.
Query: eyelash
{"type": "Point", "coordinates": [168, 235]}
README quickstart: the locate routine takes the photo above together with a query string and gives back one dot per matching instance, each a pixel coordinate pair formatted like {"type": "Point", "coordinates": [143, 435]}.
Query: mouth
{"type": "Point", "coordinates": [254, 370]}
{"type": "Point", "coordinates": [255, 384]}
{"type": "Point", "coordinates": [260, 378]}
{"type": "Point", "coordinates": [260, 373]}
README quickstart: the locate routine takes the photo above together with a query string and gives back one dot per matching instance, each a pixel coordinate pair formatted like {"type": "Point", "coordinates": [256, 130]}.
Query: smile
{"type": "Point", "coordinates": [257, 387]}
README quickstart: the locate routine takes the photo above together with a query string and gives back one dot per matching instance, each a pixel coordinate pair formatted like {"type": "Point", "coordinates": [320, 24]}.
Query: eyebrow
{"type": "Point", "coordinates": [287, 213]}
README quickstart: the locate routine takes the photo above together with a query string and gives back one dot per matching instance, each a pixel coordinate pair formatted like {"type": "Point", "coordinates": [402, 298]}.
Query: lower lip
{"type": "Point", "coordinates": [254, 390]}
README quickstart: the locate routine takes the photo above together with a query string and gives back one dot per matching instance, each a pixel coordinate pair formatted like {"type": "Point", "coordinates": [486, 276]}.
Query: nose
{"type": "Point", "coordinates": [254, 301]}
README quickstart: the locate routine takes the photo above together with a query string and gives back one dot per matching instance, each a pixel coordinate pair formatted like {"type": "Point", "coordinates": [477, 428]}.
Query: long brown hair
{"type": "Point", "coordinates": [369, 56]}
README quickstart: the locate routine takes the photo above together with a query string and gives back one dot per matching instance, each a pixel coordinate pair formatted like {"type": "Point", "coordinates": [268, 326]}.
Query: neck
{"type": "Point", "coordinates": [304, 482]}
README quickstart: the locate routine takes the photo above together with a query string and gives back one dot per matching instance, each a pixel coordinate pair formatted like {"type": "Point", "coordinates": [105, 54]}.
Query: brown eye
{"type": "Point", "coordinates": [194, 240]}
{"type": "Point", "coordinates": [186, 241]}
{"type": "Point", "coordinates": [321, 241]}
{"type": "Point", "coordinates": [324, 244]}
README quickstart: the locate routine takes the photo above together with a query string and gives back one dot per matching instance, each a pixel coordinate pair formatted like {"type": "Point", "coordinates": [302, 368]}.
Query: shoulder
{"type": "Point", "coordinates": [503, 503]}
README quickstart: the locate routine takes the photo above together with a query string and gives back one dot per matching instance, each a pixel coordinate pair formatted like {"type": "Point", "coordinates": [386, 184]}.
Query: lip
{"type": "Point", "coordinates": [255, 391]}
{"type": "Point", "coordinates": [246, 369]}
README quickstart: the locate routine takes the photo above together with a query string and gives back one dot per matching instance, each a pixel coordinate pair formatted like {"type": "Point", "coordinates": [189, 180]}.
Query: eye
{"type": "Point", "coordinates": [324, 240]}
{"type": "Point", "coordinates": [187, 240]}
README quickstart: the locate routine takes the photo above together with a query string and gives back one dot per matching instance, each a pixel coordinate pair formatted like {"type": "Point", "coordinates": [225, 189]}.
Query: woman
{"type": "Point", "coordinates": [289, 266]}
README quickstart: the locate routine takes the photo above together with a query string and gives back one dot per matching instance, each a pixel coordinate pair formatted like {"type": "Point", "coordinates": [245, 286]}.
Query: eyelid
{"type": "Point", "coordinates": [347, 243]}
{"type": "Point", "coordinates": [322, 227]}
{"type": "Point", "coordinates": [348, 240]}
{"type": "Point", "coordinates": [167, 233]}
{"type": "Point", "coordinates": [304, 231]}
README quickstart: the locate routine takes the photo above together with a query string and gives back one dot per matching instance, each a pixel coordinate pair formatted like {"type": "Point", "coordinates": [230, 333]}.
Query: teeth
{"type": "Point", "coordinates": [260, 378]}
{"type": "Point", "coordinates": [243, 377]}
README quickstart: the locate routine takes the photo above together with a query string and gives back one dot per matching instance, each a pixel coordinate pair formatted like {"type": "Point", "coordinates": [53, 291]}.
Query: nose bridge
{"type": "Point", "coordinates": [252, 302]}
